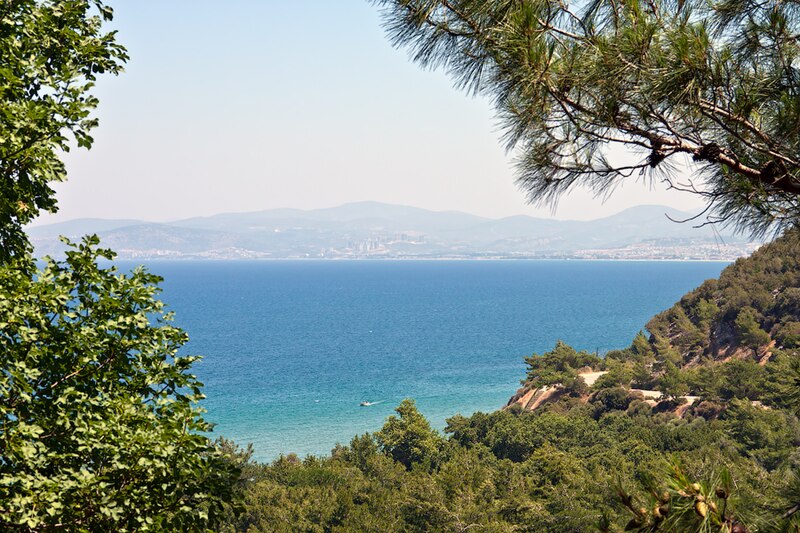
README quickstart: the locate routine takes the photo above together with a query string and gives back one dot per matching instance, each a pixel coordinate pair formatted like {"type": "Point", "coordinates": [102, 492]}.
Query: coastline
{"type": "Point", "coordinates": [160, 258]}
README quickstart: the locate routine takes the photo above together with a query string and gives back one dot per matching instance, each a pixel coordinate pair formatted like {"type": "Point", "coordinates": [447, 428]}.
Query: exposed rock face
{"type": "Point", "coordinates": [534, 398]}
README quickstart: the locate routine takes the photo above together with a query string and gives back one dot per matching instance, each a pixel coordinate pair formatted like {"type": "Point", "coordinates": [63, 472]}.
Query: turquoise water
{"type": "Point", "coordinates": [292, 348]}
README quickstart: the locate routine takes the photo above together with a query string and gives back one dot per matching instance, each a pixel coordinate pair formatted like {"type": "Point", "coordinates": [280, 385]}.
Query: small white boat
{"type": "Point", "coordinates": [365, 404]}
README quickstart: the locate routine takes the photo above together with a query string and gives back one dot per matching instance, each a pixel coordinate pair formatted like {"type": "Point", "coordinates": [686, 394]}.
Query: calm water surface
{"type": "Point", "coordinates": [292, 348]}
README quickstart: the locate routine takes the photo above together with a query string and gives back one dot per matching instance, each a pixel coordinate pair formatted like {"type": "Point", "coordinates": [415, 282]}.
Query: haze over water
{"type": "Point", "coordinates": [291, 348]}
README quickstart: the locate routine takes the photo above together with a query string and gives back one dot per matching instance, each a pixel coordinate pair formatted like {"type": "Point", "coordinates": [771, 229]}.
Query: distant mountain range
{"type": "Point", "coordinates": [376, 230]}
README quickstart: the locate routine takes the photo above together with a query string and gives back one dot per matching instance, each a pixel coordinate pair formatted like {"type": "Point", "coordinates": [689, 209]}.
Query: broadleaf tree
{"type": "Point", "coordinates": [51, 54]}
{"type": "Point", "coordinates": [100, 426]}
{"type": "Point", "coordinates": [702, 95]}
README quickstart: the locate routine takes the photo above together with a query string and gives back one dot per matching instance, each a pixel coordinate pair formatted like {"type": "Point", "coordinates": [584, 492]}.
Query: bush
{"type": "Point", "coordinates": [787, 334]}
{"type": "Point", "coordinates": [748, 328]}
{"type": "Point", "coordinates": [611, 399]}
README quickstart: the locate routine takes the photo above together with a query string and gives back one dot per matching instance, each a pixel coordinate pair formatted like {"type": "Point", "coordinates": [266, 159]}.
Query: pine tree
{"type": "Point", "coordinates": [594, 93]}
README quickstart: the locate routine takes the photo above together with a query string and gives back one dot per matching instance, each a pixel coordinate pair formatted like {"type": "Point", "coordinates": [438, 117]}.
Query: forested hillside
{"type": "Point", "coordinates": [716, 451]}
{"type": "Point", "coordinates": [754, 305]}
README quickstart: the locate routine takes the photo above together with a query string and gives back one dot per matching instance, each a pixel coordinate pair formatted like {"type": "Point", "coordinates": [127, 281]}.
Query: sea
{"type": "Point", "coordinates": [291, 348]}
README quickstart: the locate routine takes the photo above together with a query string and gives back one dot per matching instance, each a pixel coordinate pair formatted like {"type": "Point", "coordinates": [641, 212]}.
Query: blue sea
{"type": "Point", "coordinates": [291, 348]}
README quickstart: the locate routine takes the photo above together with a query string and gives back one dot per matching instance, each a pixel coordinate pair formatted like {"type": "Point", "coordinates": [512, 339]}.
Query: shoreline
{"type": "Point", "coordinates": [424, 259]}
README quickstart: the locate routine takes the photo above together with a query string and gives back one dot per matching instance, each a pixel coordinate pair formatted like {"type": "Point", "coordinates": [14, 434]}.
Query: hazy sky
{"type": "Point", "coordinates": [249, 105]}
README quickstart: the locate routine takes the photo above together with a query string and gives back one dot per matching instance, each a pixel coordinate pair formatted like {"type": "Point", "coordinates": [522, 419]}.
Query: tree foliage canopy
{"type": "Point", "coordinates": [712, 85]}
{"type": "Point", "coordinates": [99, 424]}
{"type": "Point", "coordinates": [51, 53]}
{"type": "Point", "coordinates": [408, 438]}
{"type": "Point", "coordinates": [100, 429]}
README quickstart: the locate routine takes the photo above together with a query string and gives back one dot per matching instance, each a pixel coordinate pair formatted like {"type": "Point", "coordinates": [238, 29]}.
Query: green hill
{"type": "Point", "coordinates": [754, 305]}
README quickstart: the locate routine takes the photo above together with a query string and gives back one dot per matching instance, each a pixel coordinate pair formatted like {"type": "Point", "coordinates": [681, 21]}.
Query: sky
{"type": "Point", "coordinates": [247, 105]}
